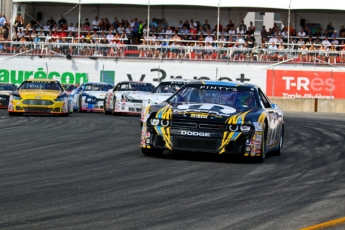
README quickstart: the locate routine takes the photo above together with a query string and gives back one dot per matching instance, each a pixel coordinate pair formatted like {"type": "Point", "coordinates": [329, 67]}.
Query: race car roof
{"type": "Point", "coordinates": [222, 83]}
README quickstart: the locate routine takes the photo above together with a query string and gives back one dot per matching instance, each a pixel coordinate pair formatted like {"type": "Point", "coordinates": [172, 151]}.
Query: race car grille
{"type": "Point", "coordinates": [37, 102]}
{"type": "Point", "coordinates": [39, 110]}
{"type": "Point", "coordinates": [183, 124]}
{"type": "Point", "coordinates": [4, 97]}
{"type": "Point", "coordinates": [208, 126]}
{"type": "Point", "coordinates": [201, 144]}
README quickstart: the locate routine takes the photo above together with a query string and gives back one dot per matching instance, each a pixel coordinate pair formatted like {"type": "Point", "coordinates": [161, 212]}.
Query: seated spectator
{"type": "Point", "coordinates": [41, 33]}
{"type": "Point", "coordinates": [120, 29]}
{"type": "Point", "coordinates": [300, 42]}
{"type": "Point", "coordinates": [342, 31]}
{"type": "Point", "coordinates": [62, 34]}
{"type": "Point", "coordinates": [71, 27]}
{"type": "Point", "coordinates": [273, 39]}
{"type": "Point", "coordinates": [46, 27]}
{"type": "Point", "coordinates": [301, 33]}
{"type": "Point", "coordinates": [326, 42]}
{"type": "Point", "coordinates": [272, 51]}
{"type": "Point", "coordinates": [168, 33]}
{"type": "Point", "coordinates": [334, 35]}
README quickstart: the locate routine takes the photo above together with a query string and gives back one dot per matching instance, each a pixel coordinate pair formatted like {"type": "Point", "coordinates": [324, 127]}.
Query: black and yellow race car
{"type": "Point", "coordinates": [39, 96]}
{"type": "Point", "coordinates": [215, 117]}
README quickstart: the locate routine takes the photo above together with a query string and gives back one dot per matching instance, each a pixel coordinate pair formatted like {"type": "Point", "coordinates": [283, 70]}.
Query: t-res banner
{"type": "Point", "coordinates": [305, 84]}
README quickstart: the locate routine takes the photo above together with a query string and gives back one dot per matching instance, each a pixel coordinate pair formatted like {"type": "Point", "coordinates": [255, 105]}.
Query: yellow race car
{"type": "Point", "coordinates": [39, 96]}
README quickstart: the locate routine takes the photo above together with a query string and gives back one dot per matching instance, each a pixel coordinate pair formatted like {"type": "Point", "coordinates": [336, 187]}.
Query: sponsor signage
{"type": "Point", "coordinates": [305, 84]}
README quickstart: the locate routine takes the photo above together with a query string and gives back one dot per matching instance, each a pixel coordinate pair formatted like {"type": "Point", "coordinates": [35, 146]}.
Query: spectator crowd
{"type": "Point", "coordinates": [189, 39]}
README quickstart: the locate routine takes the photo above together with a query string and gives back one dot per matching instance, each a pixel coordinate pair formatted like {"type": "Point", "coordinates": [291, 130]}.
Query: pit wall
{"type": "Point", "coordinates": [310, 104]}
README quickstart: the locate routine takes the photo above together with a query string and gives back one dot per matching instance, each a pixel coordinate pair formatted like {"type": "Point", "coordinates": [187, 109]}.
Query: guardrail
{"type": "Point", "coordinates": [174, 51]}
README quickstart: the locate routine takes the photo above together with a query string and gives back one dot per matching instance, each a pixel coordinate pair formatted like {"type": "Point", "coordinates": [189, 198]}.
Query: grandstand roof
{"type": "Point", "coordinates": [253, 4]}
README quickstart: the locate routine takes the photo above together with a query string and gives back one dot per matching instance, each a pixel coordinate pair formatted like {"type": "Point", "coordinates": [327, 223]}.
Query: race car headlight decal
{"type": "Point", "coordinates": [233, 128]}
{"type": "Point", "coordinates": [154, 121]}
{"type": "Point", "coordinates": [164, 123]}
{"type": "Point", "coordinates": [245, 128]}
{"type": "Point", "coordinates": [151, 102]}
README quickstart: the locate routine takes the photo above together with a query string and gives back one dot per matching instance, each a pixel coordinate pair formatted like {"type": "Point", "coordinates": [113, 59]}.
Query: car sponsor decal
{"type": "Point", "coordinates": [165, 113]}
{"type": "Point", "coordinates": [229, 135]}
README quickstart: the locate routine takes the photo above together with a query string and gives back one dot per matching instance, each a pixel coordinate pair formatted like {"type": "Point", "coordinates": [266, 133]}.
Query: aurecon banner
{"type": "Point", "coordinates": [305, 84]}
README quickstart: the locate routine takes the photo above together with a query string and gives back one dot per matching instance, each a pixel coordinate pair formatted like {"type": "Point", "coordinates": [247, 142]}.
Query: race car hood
{"type": "Point", "coordinates": [39, 94]}
{"type": "Point", "coordinates": [204, 111]}
{"type": "Point", "coordinates": [132, 95]}
{"type": "Point", "coordinates": [5, 92]}
{"type": "Point", "coordinates": [156, 98]}
{"type": "Point", "coordinates": [97, 94]}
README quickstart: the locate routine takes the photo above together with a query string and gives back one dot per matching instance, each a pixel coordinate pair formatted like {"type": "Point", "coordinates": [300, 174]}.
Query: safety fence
{"type": "Point", "coordinates": [176, 51]}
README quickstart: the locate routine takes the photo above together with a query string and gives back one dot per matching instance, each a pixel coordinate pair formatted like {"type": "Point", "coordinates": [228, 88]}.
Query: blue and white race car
{"type": "Point", "coordinates": [89, 96]}
{"type": "Point", "coordinates": [162, 92]}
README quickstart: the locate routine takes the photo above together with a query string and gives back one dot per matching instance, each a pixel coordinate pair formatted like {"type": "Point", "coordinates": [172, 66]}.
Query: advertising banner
{"type": "Point", "coordinates": [306, 84]}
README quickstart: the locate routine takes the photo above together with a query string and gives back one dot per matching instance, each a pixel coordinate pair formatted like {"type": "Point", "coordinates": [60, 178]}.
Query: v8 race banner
{"type": "Point", "coordinates": [305, 84]}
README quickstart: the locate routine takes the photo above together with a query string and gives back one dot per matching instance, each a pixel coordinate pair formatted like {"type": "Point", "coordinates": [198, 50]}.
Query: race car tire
{"type": "Point", "coordinates": [79, 105]}
{"type": "Point", "coordinates": [64, 115]}
{"type": "Point", "coordinates": [152, 152]}
{"type": "Point", "coordinates": [113, 109]}
{"type": "Point", "coordinates": [278, 151]}
{"type": "Point", "coordinates": [262, 157]}
{"type": "Point", "coordinates": [105, 109]}
{"type": "Point", "coordinates": [12, 114]}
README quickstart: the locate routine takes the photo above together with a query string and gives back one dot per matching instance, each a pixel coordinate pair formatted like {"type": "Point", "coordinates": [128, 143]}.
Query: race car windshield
{"type": "Point", "coordinates": [240, 98]}
{"type": "Point", "coordinates": [8, 87]}
{"type": "Point", "coordinates": [167, 88]}
{"type": "Point", "coordinates": [97, 87]}
{"type": "Point", "coordinates": [134, 86]}
{"type": "Point", "coordinates": [41, 85]}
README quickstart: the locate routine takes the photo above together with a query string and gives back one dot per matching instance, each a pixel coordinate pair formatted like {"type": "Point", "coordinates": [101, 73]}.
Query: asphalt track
{"type": "Point", "coordinates": [86, 171]}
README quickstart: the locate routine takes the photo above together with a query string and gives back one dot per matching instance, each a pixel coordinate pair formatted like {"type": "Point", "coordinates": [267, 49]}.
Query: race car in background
{"type": "Point", "coordinates": [126, 97]}
{"type": "Point", "coordinates": [5, 90]}
{"type": "Point", "coordinates": [39, 96]}
{"type": "Point", "coordinates": [69, 88]}
{"type": "Point", "coordinates": [162, 92]}
{"type": "Point", "coordinates": [89, 96]}
{"type": "Point", "coordinates": [215, 117]}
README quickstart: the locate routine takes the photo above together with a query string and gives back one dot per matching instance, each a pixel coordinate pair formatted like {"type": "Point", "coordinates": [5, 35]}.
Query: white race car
{"type": "Point", "coordinates": [126, 97]}
{"type": "Point", "coordinates": [162, 92]}
{"type": "Point", "coordinates": [5, 90]}
{"type": "Point", "coordinates": [89, 96]}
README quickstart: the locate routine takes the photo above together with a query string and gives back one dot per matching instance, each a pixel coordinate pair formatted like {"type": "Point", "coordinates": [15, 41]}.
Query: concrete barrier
{"type": "Point", "coordinates": [296, 105]}
{"type": "Point", "coordinates": [310, 104]}
{"type": "Point", "coordinates": [331, 106]}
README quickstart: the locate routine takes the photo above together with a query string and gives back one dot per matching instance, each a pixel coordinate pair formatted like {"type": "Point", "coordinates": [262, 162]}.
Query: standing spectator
{"type": "Point", "coordinates": [135, 31]}
{"type": "Point", "coordinates": [263, 35]}
{"type": "Point", "coordinates": [6, 30]}
{"type": "Point", "coordinates": [206, 26]}
{"type": "Point", "coordinates": [21, 23]}
{"type": "Point", "coordinates": [2, 23]}
{"type": "Point", "coordinates": [164, 24]}
{"type": "Point", "coordinates": [330, 29]}
{"type": "Point", "coordinates": [51, 22]}
{"type": "Point", "coordinates": [115, 23]}
{"type": "Point", "coordinates": [95, 23]}
{"type": "Point", "coordinates": [251, 26]}
{"type": "Point", "coordinates": [107, 24]}
{"type": "Point", "coordinates": [243, 27]}
{"type": "Point", "coordinates": [62, 21]}
{"type": "Point", "coordinates": [230, 25]}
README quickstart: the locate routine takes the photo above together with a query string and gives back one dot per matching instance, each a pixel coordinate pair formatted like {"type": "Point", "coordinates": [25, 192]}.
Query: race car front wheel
{"type": "Point", "coordinates": [262, 157]}
{"type": "Point", "coordinates": [14, 114]}
{"type": "Point", "coordinates": [152, 152]}
{"type": "Point", "coordinates": [278, 151]}
{"type": "Point", "coordinates": [105, 109]}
